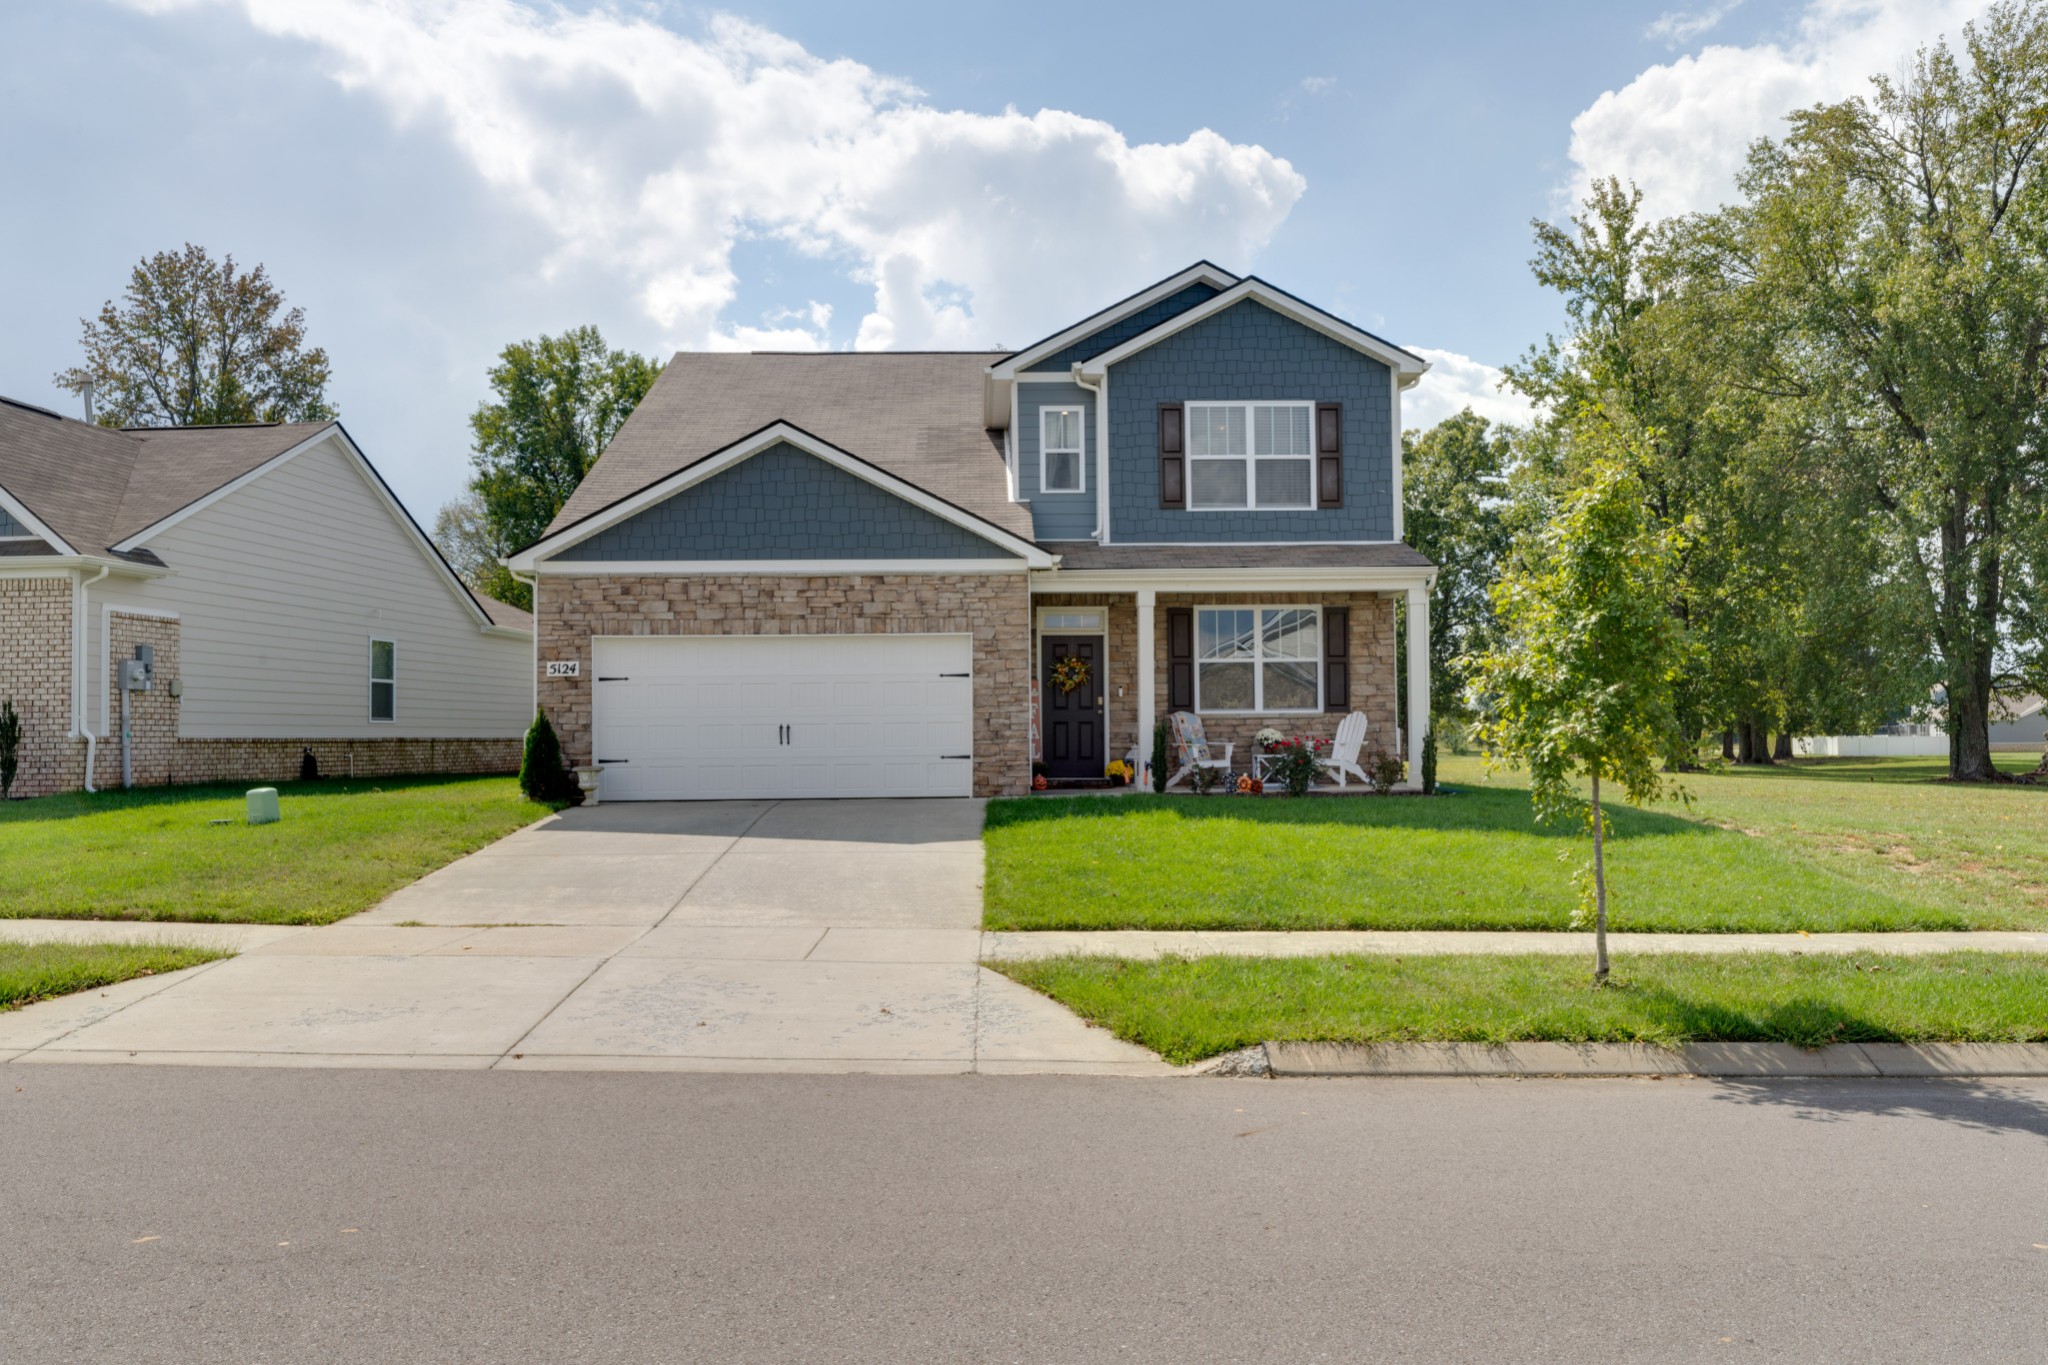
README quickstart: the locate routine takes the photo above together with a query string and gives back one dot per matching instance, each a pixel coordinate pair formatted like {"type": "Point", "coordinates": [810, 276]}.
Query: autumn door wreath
{"type": "Point", "coordinates": [1069, 673]}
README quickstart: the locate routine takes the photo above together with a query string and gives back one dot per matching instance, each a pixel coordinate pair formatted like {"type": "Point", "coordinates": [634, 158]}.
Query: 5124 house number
{"type": "Point", "coordinates": [563, 668]}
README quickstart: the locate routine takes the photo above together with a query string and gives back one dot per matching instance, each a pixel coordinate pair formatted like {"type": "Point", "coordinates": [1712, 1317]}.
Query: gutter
{"type": "Point", "coordinates": [1100, 388]}
{"type": "Point", "coordinates": [79, 689]}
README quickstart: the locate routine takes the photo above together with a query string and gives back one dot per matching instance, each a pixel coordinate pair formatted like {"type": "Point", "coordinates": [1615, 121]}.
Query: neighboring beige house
{"type": "Point", "coordinates": [287, 599]}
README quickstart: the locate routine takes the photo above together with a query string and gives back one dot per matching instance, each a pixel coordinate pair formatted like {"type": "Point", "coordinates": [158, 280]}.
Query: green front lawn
{"type": "Point", "coordinates": [156, 853]}
{"type": "Point", "coordinates": [1842, 844]}
{"type": "Point", "coordinates": [1187, 1009]}
{"type": "Point", "coordinates": [37, 971]}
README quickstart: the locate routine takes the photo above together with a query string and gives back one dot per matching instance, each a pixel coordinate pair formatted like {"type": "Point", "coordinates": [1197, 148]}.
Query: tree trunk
{"type": "Point", "coordinates": [1972, 585]}
{"type": "Point", "coordinates": [1784, 746]}
{"type": "Point", "coordinates": [1599, 889]}
{"type": "Point", "coordinates": [1728, 744]}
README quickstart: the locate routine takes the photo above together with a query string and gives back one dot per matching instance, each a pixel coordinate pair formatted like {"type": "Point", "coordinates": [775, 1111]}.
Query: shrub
{"type": "Point", "coordinates": [1383, 770]}
{"type": "Point", "coordinates": [1203, 779]}
{"type": "Point", "coordinates": [543, 776]}
{"type": "Point", "coordinates": [1295, 764]}
{"type": "Point", "coordinates": [1429, 761]}
{"type": "Point", "coordinates": [10, 746]}
{"type": "Point", "coordinates": [1159, 748]}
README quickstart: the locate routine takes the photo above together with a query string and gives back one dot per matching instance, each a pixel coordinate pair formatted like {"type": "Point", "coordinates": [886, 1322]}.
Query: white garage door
{"type": "Point", "coordinates": [698, 717]}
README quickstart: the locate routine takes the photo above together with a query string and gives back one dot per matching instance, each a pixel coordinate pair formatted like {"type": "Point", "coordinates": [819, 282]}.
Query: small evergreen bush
{"type": "Point", "coordinates": [543, 776]}
{"type": "Point", "coordinates": [1429, 761]}
{"type": "Point", "coordinates": [1159, 748]}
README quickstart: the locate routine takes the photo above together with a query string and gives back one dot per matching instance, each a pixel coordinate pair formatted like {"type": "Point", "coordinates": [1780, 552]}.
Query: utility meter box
{"type": "Point", "coordinates": [139, 672]}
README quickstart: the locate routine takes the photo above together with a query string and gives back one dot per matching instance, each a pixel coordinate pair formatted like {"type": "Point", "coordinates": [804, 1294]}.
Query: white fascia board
{"type": "Point", "coordinates": [797, 568]}
{"type": "Point", "coordinates": [1275, 579]}
{"type": "Point", "coordinates": [1110, 316]}
{"type": "Point", "coordinates": [15, 508]}
{"type": "Point", "coordinates": [531, 559]}
{"type": "Point", "coordinates": [56, 566]}
{"type": "Point", "coordinates": [498, 632]}
{"type": "Point", "coordinates": [227, 489]}
{"type": "Point", "coordinates": [1407, 368]}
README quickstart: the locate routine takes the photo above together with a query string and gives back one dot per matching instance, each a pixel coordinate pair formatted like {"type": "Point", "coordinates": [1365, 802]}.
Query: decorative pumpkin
{"type": "Point", "coordinates": [1038, 783]}
{"type": "Point", "coordinates": [1069, 673]}
{"type": "Point", "coordinates": [1258, 787]}
{"type": "Point", "coordinates": [1244, 784]}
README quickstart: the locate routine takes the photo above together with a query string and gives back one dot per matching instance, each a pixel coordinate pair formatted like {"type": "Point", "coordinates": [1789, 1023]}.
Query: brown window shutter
{"type": "Point", "coordinates": [1173, 464]}
{"type": "Point", "coordinates": [1336, 658]}
{"type": "Point", "coordinates": [1180, 658]}
{"type": "Point", "coordinates": [1329, 454]}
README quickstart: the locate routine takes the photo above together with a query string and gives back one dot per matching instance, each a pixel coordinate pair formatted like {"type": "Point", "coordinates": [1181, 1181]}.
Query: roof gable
{"type": "Point", "coordinates": [1154, 304]}
{"type": "Point", "coordinates": [556, 546]}
{"type": "Point", "coordinates": [1406, 365]}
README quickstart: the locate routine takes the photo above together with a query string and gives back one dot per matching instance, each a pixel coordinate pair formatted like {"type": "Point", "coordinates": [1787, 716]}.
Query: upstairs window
{"type": "Point", "coordinates": [383, 680]}
{"type": "Point", "coordinates": [1059, 450]}
{"type": "Point", "coordinates": [1265, 660]}
{"type": "Point", "coordinates": [1251, 456]}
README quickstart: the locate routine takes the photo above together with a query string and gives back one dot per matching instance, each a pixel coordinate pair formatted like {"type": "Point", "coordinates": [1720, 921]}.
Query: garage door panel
{"type": "Point", "coordinates": [705, 716]}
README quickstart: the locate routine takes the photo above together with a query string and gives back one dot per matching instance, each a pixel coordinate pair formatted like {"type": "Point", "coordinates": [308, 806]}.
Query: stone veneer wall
{"type": "Point", "coordinates": [1374, 676]}
{"type": "Point", "coordinates": [35, 673]}
{"type": "Point", "coordinates": [994, 608]}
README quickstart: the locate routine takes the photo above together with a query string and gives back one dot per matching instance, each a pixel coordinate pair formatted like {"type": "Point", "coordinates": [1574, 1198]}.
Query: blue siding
{"type": "Point", "coordinates": [9, 526]}
{"type": "Point", "coordinates": [1055, 516]}
{"type": "Point", "coordinates": [1117, 333]}
{"type": "Point", "coordinates": [783, 504]}
{"type": "Point", "coordinates": [1249, 351]}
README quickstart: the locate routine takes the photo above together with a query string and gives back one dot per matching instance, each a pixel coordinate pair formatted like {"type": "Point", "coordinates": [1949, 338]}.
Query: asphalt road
{"type": "Point", "coordinates": [221, 1215]}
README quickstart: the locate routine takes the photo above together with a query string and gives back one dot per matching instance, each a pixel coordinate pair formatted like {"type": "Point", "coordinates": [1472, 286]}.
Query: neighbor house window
{"type": "Point", "coordinates": [383, 680]}
{"type": "Point", "coordinates": [1260, 659]}
{"type": "Point", "coordinates": [1059, 450]}
{"type": "Point", "coordinates": [1251, 455]}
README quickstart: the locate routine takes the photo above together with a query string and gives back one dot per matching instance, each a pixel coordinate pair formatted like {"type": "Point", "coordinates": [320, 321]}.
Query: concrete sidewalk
{"type": "Point", "coordinates": [1146, 944]}
{"type": "Point", "coordinates": [718, 936]}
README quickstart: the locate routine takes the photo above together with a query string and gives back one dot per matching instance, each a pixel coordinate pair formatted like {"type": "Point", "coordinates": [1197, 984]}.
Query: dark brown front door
{"type": "Point", "coordinates": [1072, 721]}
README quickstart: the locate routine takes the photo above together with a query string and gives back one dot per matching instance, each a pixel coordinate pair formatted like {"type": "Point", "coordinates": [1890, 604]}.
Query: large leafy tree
{"type": "Point", "coordinates": [1893, 250]}
{"type": "Point", "coordinates": [1581, 687]}
{"type": "Point", "coordinates": [195, 341]}
{"type": "Point", "coordinates": [1455, 510]}
{"type": "Point", "coordinates": [557, 401]}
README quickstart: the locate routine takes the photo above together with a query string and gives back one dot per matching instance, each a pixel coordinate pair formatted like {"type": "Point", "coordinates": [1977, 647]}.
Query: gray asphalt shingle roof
{"type": "Point", "coordinates": [917, 415]}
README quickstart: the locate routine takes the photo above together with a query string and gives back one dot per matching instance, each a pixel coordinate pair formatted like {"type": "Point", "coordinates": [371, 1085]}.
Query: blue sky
{"type": "Point", "coordinates": [432, 180]}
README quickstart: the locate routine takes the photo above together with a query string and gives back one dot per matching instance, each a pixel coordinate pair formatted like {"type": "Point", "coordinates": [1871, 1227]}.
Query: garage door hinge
{"type": "Point", "coordinates": [956, 675]}
{"type": "Point", "coordinates": [603, 761]}
{"type": "Point", "coordinates": [615, 680]}
{"type": "Point", "coordinates": [944, 756]}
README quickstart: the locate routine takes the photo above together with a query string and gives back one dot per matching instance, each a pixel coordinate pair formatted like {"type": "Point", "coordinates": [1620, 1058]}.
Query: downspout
{"type": "Point", "coordinates": [80, 693]}
{"type": "Point", "coordinates": [1100, 388]}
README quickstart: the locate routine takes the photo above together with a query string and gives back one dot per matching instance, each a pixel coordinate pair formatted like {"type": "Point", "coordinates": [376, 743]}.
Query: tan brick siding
{"type": "Point", "coordinates": [35, 673]}
{"type": "Point", "coordinates": [1374, 678]}
{"type": "Point", "coordinates": [153, 715]}
{"type": "Point", "coordinates": [277, 760]}
{"type": "Point", "coordinates": [993, 608]}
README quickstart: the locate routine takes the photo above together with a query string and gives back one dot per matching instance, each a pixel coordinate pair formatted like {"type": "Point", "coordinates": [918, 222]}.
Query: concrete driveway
{"type": "Point", "coordinates": [732, 936]}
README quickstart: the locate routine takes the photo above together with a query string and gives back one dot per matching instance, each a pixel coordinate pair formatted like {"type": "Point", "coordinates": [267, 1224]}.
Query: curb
{"type": "Point", "coordinates": [1751, 1061]}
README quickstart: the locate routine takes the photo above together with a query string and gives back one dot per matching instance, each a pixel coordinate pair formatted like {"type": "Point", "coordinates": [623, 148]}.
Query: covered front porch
{"type": "Point", "coordinates": [1244, 649]}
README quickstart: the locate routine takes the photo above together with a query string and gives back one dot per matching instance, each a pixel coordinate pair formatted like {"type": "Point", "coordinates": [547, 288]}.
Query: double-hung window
{"type": "Point", "coordinates": [1258, 659]}
{"type": "Point", "coordinates": [1059, 450]}
{"type": "Point", "coordinates": [1251, 455]}
{"type": "Point", "coordinates": [383, 680]}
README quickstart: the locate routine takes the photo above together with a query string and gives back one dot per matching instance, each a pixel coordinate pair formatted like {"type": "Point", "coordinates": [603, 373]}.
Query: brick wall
{"type": "Point", "coordinates": [153, 715]}
{"type": "Point", "coordinates": [993, 608]}
{"type": "Point", "coordinates": [35, 673]}
{"type": "Point", "coordinates": [1374, 678]}
{"type": "Point", "coordinates": [277, 760]}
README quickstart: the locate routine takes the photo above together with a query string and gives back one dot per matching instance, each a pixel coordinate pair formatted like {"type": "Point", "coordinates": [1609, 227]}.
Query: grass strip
{"type": "Point", "coordinates": [37, 971]}
{"type": "Point", "coordinates": [187, 853]}
{"type": "Point", "coordinates": [1186, 1009]}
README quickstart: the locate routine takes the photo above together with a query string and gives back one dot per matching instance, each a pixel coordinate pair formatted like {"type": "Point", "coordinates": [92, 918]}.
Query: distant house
{"type": "Point", "coordinates": [279, 595]}
{"type": "Point", "coordinates": [2019, 723]}
{"type": "Point", "coordinates": [928, 574]}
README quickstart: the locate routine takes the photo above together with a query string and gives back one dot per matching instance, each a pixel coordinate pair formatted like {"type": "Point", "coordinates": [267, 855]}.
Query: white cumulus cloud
{"type": "Point", "coordinates": [1456, 382]}
{"type": "Point", "coordinates": [1682, 128]}
{"type": "Point", "coordinates": [651, 153]}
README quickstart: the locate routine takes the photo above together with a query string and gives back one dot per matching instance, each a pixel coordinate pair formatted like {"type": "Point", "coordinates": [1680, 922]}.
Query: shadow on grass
{"type": "Point", "coordinates": [1988, 1106]}
{"type": "Point", "coordinates": [1885, 771]}
{"type": "Point", "coordinates": [76, 805]}
{"type": "Point", "coordinates": [1474, 808]}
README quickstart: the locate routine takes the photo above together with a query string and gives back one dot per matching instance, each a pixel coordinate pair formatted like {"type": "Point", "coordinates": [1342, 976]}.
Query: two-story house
{"type": "Point", "coordinates": [916, 574]}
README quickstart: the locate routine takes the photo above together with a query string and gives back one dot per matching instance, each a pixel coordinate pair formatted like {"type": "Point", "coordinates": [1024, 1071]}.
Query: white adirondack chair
{"type": "Point", "coordinates": [1192, 748]}
{"type": "Point", "coordinates": [1344, 749]}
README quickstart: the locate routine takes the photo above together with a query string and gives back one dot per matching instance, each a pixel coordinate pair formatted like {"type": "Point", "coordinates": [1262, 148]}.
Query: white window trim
{"type": "Point", "coordinates": [370, 697]}
{"type": "Point", "coordinates": [1258, 660]}
{"type": "Point", "coordinates": [1249, 459]}
{"type": "Point", "coordinates": [1080, 452]}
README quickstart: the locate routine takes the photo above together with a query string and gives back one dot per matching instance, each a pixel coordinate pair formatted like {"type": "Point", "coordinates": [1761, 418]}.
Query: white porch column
{"type": "Point", "coordinates": [1418, 681]}
{"type": "Point", "coordinates": [1148, 601]}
